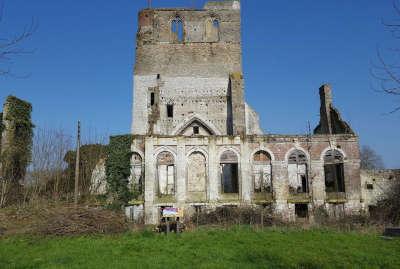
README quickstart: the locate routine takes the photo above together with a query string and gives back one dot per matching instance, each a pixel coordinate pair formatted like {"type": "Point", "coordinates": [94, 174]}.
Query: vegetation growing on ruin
{"type": "Point", "coordinates": [118, 168]}
{"type": "Point", "coordinates": [90, 155]}
{"type": "Point", "coordinates": [16, 154]}
{"type": "Point", "coordinates": [16, 157]}
{"type": "Point", "coordinates": [207, 248]}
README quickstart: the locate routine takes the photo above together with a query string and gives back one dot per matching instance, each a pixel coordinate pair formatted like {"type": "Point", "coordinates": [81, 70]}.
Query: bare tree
{"type": "Point", "coordinates": [46, 175]}
{"type": "Point", "coordinates": [370, 159]}
{"type": "Point", "coordinates": [11, 46]}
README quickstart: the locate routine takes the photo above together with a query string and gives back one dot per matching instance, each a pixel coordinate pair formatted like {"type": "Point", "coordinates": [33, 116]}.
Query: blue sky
{"type": "Point", "coordinates": [84, 56]}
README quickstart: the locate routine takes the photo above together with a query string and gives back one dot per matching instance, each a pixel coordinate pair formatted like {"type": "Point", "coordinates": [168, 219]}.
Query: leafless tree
{"type": "Point", "coordinates": [11, 46]}
{"type": "Point", "coordinates": [46, 173]}
{"type": "Point", "coordinates": [370, 159]}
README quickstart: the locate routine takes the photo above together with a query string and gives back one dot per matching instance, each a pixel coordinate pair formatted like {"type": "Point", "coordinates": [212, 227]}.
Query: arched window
{"type": "Point", "coordinates": [166, 173]}
{"type": "Point", "coordinates": [334, 171]}
{"type": "Point", "coordinates": [136, 173]}
{"type": "Point", "coordinates": [229, 172]}
{"type": "Point", "coordinates": [212, 30]}
{"type": "Point", "coordinates": [262, 172]}
{"type": "Point", "coordinates": [298, 172]}
{"type": "Point", "coordinates": [177, 30]}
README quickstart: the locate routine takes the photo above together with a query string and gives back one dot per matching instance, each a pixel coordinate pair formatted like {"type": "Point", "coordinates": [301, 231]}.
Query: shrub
{"type": "Point", "coordinates": [234, 215]}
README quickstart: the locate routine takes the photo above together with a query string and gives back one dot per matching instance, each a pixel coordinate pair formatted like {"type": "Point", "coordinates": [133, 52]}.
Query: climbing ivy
{"type": "Point", "coordinates": [118, 168]}
{"type": "Point", "coordinates": [17, 149]}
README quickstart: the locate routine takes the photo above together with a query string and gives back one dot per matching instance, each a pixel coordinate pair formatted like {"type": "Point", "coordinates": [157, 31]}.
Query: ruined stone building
{"type": "Point", "coordinates": [198, 144]}
{"type": "Point", "coordinates": [376, 185]}
{"type": "Point", "coordinates": [16, 132]}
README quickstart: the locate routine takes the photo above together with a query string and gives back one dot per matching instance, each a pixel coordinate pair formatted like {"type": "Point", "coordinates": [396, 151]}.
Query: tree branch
{"type": "Point", "coordinates": [10, 47]}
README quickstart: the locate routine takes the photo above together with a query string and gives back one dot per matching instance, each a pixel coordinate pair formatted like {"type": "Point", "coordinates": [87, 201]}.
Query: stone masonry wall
{"type": "Point", "coordinates": [375, 184]}
{"type": "Point", "coordinates": [200, 76]}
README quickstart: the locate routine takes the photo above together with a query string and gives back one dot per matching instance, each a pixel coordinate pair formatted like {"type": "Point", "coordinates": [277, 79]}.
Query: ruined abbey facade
{"type": "Point", "coordinates": [197, 143]}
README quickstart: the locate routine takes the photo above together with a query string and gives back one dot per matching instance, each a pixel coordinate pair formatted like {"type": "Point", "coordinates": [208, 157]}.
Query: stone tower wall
{"type": "Point", "coordinates": [193, 75]}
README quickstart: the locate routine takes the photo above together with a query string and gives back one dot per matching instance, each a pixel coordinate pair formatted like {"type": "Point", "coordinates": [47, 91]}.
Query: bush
{"type": "Point", "coordinates": [388, 209]}
{"type": "Point", "coordinates": [234, 215]}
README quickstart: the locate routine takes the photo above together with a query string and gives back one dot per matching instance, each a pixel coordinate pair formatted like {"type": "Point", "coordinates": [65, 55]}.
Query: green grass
{"type": "Point", "coordinates": [208, 248]}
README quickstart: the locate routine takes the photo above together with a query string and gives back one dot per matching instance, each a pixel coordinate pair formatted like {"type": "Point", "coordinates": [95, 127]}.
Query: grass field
{"type": "Point", "coordinates": [208, 248]}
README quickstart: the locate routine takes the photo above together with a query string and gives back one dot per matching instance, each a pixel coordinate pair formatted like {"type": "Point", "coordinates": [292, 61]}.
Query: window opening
{"type": "Point", "coordinates": [166, 173]}
{"type": "Point", "coordinates": [334, 171]}
{"type": "Point", "coordinates": [301, 210]}
{"type": "Point", "coordinates": [196, 130]}
{"type": "Point", "coordinates": [170, 111]}
{"type": "Point", "coordinates": [177, 29]}
{"type": "Point", "coordinates": [298, 172]}
{"type": "Point", "coordinates": [262, 172]}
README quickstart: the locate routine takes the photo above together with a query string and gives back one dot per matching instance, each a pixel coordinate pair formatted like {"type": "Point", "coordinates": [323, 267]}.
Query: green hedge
{"type": "Point", "coordinates": [118, 168]}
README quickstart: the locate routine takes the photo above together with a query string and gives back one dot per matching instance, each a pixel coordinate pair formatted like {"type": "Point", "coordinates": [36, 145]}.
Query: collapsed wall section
{"type": "Point", "coordinates": [331, 121]}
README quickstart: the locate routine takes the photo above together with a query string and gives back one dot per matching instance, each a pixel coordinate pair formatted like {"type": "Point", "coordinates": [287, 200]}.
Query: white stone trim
{"type": "Point", "coordinates": [296, 147]}
{"type": "Point", "coordinates": [262, 149]}
{"type": "Point", "coordinates": [167, 149]}
{"type": "Point", "coordinates": [323, 153]}
{"type": "Point", "coordinates": [223, 149]}
{"type": "Point", "coordinates": [138, 151]}
{"type": "Point", "coordinates": [189, 120]}
{"type": "Point", "coordinates": [197, 149]}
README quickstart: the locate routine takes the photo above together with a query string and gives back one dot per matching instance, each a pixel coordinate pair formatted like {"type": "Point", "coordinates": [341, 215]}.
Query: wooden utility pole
{"type": "Point", "coordinates": [149, 3]}
{"type": "Point", "coordinates": [77, 160]}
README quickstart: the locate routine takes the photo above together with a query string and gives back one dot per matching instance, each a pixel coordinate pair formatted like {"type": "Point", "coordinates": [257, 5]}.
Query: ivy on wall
{"type": "Point", "coordinates": [18, 130]}
{"type": "Point", "coordinates": [118, 168]}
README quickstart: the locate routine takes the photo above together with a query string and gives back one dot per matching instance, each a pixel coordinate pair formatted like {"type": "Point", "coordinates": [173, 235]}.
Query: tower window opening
{"type": "Point", "coordinates": [152, 99]}
{"type": "Point", "coordinates": [170, 111]}
{"type": "Point", "coordinates": [196, 130]}
{"type": "Point", "coordinates": [216, 24]}
{"type": "Point", "coordinates": [177, 29]}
